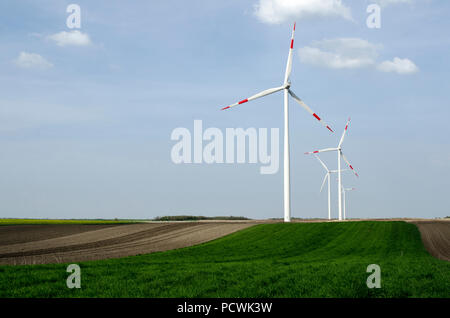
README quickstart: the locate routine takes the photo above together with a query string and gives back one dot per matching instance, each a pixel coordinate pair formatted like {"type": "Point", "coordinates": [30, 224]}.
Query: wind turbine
{"type": "Point", "coordinates": [327, 177]}
{"type": "Point", "coordinates": [340, 154]}
{"type": "Point", "coordinates": [287, 91]}
{"type": "Point", "coordinates": [343, 192]}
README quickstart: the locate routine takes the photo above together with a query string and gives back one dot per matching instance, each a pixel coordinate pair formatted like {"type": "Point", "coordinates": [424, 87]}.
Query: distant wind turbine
{"type": "Point", "coordinates": [327, 177]}
{"type": "Point", "coordinates": [340, 154]}
{"type": "Point", "coordinates": [344, 190]}
{"type": "Point", "coordinates": [287, 91]}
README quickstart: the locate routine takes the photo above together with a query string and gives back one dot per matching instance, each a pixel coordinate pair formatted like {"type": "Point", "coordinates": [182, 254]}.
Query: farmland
{"type": "Point", "coordinates": [265, 260]}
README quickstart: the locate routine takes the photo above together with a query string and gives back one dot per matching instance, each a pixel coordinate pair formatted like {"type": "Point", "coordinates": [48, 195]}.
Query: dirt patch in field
{"type": "Point", "coordinates": [13, 234]}
{"type": "Point", "coordinates": [40, 244]}
{"type": "Point", "coordinates": [436, 237]}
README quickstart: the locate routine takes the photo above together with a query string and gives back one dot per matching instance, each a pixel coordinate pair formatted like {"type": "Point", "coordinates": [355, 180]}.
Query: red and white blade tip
{"type": "Point", "coordinates": [292, 39]}
{"type": "Point", "coordinates": [353, 170]}
{"type": "Point", "coordinates": [348, 121]}
{"type": "Point", "coordinates": [241, 102]}
{"type": "Point", "coordinates": [319, 119]}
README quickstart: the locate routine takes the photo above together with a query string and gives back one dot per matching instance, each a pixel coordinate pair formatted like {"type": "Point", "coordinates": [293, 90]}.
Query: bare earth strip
{"type": "Point", "coordinates": [42, 244]}
{"type": "Point", "coordinates": [436, 237]}
{"type": "Point", "coordinates": [87, 242]}
{"type": "Point", "coordinates": [13, 234]}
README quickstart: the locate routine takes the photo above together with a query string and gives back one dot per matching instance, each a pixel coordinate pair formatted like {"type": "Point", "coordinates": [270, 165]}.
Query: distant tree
{"type": "Point", "coordinates": [197, 218]}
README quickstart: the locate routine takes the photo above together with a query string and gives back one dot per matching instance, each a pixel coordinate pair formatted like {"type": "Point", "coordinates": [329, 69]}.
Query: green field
{"type": "Point", "coordinates": [268, 260]}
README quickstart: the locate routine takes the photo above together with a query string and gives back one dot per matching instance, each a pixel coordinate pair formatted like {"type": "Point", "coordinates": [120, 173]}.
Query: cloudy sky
{"type": "Point", "coordinates": [86, 114]}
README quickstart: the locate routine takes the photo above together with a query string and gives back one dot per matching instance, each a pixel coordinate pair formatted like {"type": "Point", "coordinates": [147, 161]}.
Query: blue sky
{"type": "Point", "coordinates": [85, 124]}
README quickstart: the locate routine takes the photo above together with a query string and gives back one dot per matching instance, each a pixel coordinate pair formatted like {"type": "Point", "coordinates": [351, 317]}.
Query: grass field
{"type": "Point", "coordinates": [62, 221]}
{"type": "Point", "coordinates": [268, 260]}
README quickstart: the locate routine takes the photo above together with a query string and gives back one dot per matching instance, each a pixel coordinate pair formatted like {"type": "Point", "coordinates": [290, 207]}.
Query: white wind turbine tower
{"type": "Point", "coordinates": [286, 88]}
{"type": "Point", "coordinates": [343, 192]}
{"type": "Point", "coordinates": [340, 154]}
{"type": "Point", "coordinates": [327, 178]}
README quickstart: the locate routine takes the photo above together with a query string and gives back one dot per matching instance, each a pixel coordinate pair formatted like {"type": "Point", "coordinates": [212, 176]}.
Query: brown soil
{"type": "Point", "coordinates": [436, 237]}
{"type": "Point", "coordinates": [12, 234]}
{"type": "Point", "coordinates": [42, 244]}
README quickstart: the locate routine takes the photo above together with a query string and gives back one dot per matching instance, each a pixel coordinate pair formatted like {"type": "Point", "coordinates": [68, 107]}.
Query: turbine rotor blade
{"type": "Point", "coordinates": [323, 182]}
{"type": "Point", "coordinates": [343, 134]}
{"type": "Point", "coordinates": [348, 163]}
{"type": "Point", "coordinates": [322, 163]}
{"type": "Point", "coordinates": [259, 95]}
{"type": "Point", "coordinates": [309, 110]}
{"type": "Point", "coordinates": [289, 61]}
{"type": "Point", "coordinates": [336, 171]}
{"type": "Point", "coordinates": [323, 150]}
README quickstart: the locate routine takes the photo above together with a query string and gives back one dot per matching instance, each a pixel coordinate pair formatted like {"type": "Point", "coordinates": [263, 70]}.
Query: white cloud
{"type": "Point", "coordinates": [340, 53]}
{"type": "Point", "coordinates": [278, 11]}
{"type": "Point", "coordinates": [75, 38]}
{"type": "Point", "coordinates": [32, 60]}
{"type": "Point", "coordinates": [398, 65]}
{"type": "Point", "coordinates": [385, 3]}
{"type": "Point", "coordinates": [352, 53]}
